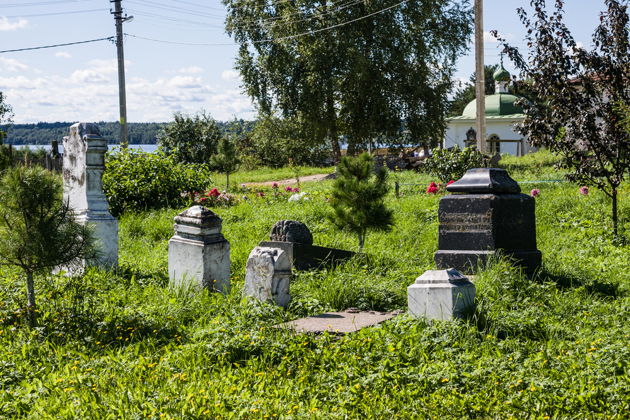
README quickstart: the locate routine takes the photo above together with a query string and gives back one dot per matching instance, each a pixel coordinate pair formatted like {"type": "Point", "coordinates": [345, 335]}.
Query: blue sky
{"type": "Point", "coordinates": [79, 83]}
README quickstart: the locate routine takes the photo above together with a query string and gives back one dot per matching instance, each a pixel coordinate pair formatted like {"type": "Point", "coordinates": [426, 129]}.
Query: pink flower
{"type": "Point", "coordinates": [296, 190]}
{"type": "Point", "coordinates": [535, 192]}
{"type": "Point", "coordinates": [288, 189]}
{"type": "Point", "coordinates": [274, 185]}
{"type": "Point", "coordinates": [449, 182]}
{"type": "Point", "coordinates": [214, 193]}
{"type": "Point", "coordinates": [584, 190]}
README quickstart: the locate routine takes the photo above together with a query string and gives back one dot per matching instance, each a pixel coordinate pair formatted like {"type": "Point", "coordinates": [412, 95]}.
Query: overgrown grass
{"type": "Point", "coordinates": [126, 345]}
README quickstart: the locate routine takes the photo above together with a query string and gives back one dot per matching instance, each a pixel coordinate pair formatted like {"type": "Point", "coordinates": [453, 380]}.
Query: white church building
{"type": "Point", "coordinates": [501, 115]}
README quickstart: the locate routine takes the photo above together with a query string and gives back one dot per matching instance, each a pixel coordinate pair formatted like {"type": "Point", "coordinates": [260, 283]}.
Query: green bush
{"type": "Point", "coordinates": [5, 158]}
{"type": "Point", "coordinates": [135, 180]}
{"type": "Point", "coordinates": [191, 139]}
{"type": "Point", "coordinates": [277, 140]}
{"type": "Point", "coordinates": [452, 164]}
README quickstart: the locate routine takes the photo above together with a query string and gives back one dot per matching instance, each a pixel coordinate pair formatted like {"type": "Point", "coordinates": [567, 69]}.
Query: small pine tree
{"type": "Point", "coordinates": [37, 228]}
{"type": "Point", "coordinates": [226, 160]}
{"type": "Point", "coordinates": [358, 197]}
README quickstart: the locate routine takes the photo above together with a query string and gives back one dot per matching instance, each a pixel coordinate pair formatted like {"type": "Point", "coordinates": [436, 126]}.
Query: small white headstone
{"type": "Point", "coordinates": [83, 165]}
{"type": "Point", "coordinates": [268, 275]}
{"type": "Point", "coordinates": [198, 254]}
{"type": "Point", "coordinates": [441, 295]}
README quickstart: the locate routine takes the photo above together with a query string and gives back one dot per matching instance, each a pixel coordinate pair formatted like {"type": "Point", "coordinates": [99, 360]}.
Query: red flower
{"type": "Point", "coordinates": [214, 193]}
{"type": "Point", "coordinates": [432, 189]}
{"type": "Point", "coordinates": [449, 182]}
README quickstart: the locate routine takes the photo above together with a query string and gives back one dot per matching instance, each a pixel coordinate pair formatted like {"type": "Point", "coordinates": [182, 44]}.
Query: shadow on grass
{"type": "Point", "coordinates": [564, 280]}
{"type": "Point", "coordinates": [532, 329]}
{"type": "Point", "coordinates": [130, 273]}
{"type": "Point", "coordinates": [89, 329]}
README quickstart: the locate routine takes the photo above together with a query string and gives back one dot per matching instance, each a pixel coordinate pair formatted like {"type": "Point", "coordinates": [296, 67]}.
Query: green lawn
{"type": "Point", "coordinates": [125, 345]}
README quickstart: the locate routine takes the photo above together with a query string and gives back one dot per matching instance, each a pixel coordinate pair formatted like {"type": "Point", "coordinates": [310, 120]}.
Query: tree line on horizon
{"type": "Point", "coordinates": [42, 133]}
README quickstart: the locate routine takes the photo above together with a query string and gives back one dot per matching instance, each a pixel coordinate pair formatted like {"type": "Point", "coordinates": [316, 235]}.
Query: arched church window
{"type": "Point", "coordinates": [494, 141]}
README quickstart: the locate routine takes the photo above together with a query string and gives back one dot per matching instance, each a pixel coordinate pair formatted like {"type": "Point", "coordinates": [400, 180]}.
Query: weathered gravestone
{"type": "Point", "coordinates": [441, 295]}
{"type": "Point", "coordinates": [486, 215]}
{"type": "Point", "coordinates": [198, 254]}
{"type": "Point", "coordinates": [296, 240]}
{"type": "Point", "coordinates": [83, 165]}
{"type": "Point", "coordinates": [268, 275]}
{"type": "Point", "coordinates": [344, 322]}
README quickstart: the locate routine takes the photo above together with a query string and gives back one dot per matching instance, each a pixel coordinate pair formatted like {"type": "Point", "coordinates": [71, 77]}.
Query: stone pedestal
{"type": "Point", "coordinates": [268, 276]}
{"type": "Point", "coordinates": [198, 254]}
{"type": "Point", "coordinates": [487, 214]}
{"type": "Point", "coordinates": [83, 165]}
{"type": "Point", "coordinates": [441, 294]}
{"type": "Point", "coordinates": [296, 240]}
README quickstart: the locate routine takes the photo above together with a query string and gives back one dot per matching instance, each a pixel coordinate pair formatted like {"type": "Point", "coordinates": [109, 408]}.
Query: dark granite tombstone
{"type": "Point", "coordinates": [486, 214]}
{"type": "Point", "coordinates": [297, 241]}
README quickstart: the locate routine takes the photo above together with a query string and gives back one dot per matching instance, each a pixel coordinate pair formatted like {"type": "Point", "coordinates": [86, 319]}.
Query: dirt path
{"type": "Point", "coordinates": [308, 178]}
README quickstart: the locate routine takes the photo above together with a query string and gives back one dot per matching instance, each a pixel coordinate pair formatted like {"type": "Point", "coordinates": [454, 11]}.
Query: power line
{"type": "Point", "coordinates": [56, 13]}
{"type": "Point", "coordinates": [41, 3]}
{"type": "Point", "coordinates": [174, 9]}
{"type": "Point", "coordinates": [281, 38]}
{"type": "Point", "coordinates": [109, 38]}
{"type": "Point", "coordinates": [197, 44]}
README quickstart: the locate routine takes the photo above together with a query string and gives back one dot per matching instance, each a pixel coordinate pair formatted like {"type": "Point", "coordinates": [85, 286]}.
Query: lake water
{"type": "Point", "coordinates": [150, 148]}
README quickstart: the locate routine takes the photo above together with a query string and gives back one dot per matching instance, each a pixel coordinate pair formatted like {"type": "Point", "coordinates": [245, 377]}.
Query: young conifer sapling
{"type": "Point", "coordinates": [358, 197]}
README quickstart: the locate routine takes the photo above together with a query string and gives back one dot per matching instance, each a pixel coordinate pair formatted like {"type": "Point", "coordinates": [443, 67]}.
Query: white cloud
{"type": "Point", "coordinates": [190, 70]}
{"type": "Point", "coordinates": [11, 64]}
{"type": "Point", "coordinates": [63, 54]}
{"type": "Point", "coordinates": [230, 75]}
{"type": "Point", "coordinates": [7, 25]}
{"type": "Point", "coordinates": [91, 94]}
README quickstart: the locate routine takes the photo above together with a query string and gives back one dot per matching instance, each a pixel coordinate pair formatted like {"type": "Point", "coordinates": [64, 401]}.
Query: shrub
{"type": "Point", "coordinates": [277, 140]}
{"type": "Point", "coordinates": [135, 180]}
{"type": "Point", "coordinates": [37, 228]}
{"type": "Point", "coordinates": [358, 197]}
{"type": "Point", "coordinates": [5, 158]}
{"type": "Point", "coordinates": [190, 139]}
{"type": "Point", "coordinates": [226, 160]}
{"type": "Point", "coordinates": [452, 164]}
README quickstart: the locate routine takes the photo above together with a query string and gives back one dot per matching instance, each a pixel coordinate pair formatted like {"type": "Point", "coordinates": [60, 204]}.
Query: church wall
{"type": "Point", "coordinates": [456, 134]}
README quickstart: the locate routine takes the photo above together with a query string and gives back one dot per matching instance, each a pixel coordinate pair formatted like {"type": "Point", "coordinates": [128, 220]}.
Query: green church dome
{"type": "Point", "coordinates": [499, 104]}
{"type": "Point", "coordinates": [501, 74]}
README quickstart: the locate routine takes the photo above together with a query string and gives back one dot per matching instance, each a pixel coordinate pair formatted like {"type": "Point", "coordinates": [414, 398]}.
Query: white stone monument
{"type": "Point", "coordinates": [441, 295]}
{"type": "Point", "coordinates": [268, 275]}
{"type": "Point", "coordinates": [198, 254]}
{"type": "Point", "coordinates": [83, 165]}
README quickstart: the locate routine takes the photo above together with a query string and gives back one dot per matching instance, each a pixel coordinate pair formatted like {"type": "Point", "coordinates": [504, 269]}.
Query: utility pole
{"type": "Point", "coordinates": [119, 19]}
{"type": "Point", "coordinates": [480, 82]}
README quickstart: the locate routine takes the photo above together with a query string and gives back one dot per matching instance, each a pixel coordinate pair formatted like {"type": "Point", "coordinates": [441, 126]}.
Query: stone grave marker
{"type": "Point", "coordinates": [198, 253]}
{"type": "Point", "coordinates": [296, 240]}
{"type": "Point", "coordinates": [344, 322]}
{"type": "Point", "coordinates": [268, 275]}
{"type": "Point", "coordinates": [487, 214]}
{"type": "Point", "coordinates": [83, 165]}
{"type": "Point", "coordinates": [441, 295]}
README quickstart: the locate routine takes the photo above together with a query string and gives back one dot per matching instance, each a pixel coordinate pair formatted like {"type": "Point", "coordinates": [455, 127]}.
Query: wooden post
{"type": "Point", "coordinates": [480, 89]}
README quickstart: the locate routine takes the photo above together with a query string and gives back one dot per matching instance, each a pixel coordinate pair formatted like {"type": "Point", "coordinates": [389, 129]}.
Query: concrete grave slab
{"type": "Point", "coordinates": [338, 322]}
